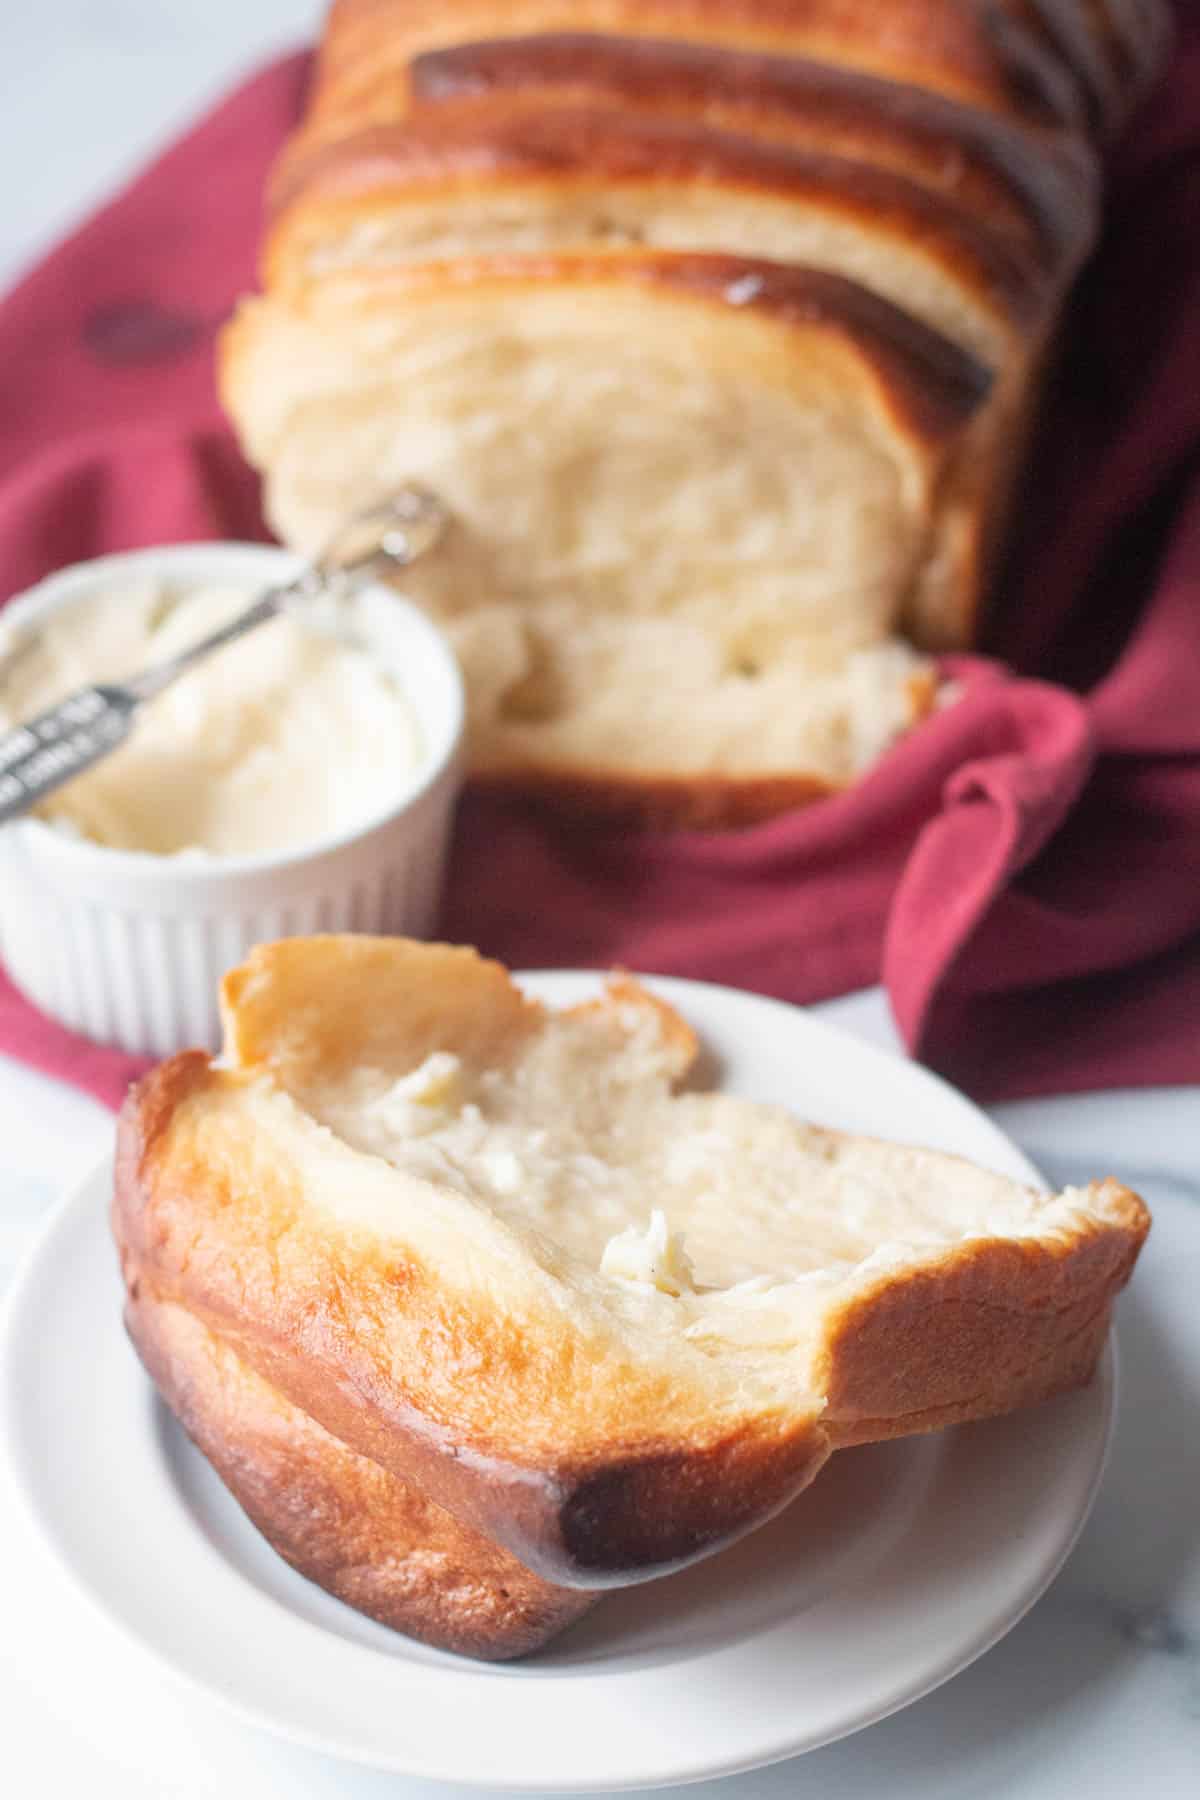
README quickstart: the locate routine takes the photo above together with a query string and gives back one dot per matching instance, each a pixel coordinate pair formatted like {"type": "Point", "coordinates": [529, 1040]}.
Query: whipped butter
{"type": "Point", "coordinates": [291, 734]}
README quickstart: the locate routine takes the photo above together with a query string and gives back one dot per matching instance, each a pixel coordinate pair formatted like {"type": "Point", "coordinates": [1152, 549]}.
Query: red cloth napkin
{"type": "Point", "coordinates": [1023, 871]}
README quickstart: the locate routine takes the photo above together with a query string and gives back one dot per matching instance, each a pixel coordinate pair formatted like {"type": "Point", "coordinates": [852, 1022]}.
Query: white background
{"type": "Point", "coordinates": [89, 88]}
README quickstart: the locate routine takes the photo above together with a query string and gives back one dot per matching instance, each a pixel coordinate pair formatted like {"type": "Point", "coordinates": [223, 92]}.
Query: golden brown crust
{"type": "Point", "coordinates": [349, 1007]}
{"type": "Point", "coordinates": [1040, 189]}
{"type": "Point", "coordinates": [319, 1007]}
{"type": "Point", "coordinates": [377, 1543]}
{"type": "Point", "coordinates": [990, 1327]}
{"type": "Point", "coordinates": [983, 54]}
{"type": "Point", "coordinates": [583, 151]}
{"type": "Point", "coordinates": [339, 1519]}
{"type": "Point", "coordinates": [1072, 1365]}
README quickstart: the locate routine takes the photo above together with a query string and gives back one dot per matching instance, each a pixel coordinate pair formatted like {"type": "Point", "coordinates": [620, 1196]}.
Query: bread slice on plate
{"type": "Point", "coordinates": [478, 1311]}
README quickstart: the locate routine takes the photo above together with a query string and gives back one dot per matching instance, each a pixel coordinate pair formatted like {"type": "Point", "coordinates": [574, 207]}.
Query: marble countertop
{"type": "Point", "coordinates": [1097, 1691]}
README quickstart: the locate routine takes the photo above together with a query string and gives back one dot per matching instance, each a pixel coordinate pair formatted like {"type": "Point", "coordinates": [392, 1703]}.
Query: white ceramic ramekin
{"type": "Point", "coordinates": [130, 948]}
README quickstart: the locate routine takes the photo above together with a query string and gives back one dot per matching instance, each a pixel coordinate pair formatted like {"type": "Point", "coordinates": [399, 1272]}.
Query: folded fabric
{"type": "Point", "coordinates": [1023, 871]}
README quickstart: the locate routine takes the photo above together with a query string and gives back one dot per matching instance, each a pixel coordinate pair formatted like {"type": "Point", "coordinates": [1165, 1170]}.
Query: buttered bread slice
{"type": "Point", "coordinates": [606, 1325]}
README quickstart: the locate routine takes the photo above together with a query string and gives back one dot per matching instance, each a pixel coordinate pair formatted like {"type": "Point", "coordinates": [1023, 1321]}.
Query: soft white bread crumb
{"type": "Point", "coordinates": [580, 1150]}
{"type": "Point", "coordinates": [699, 1228]}
{"type": "Point", "coordinates": [687, 561]}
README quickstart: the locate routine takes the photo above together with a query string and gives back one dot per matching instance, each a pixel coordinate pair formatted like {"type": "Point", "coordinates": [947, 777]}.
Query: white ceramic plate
{"type": "Point", "coordinates": [898, 1567]}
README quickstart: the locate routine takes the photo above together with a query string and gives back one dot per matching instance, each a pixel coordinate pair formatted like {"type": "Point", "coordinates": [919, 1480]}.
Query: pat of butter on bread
{"type": "Point", "coordinates": [655, 1256]}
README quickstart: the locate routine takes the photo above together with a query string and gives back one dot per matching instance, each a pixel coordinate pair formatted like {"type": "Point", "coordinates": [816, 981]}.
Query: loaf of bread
{"type": "Point", "coordinates": [477, 1312]}
{"type": "Point", "coordinates": [718, 325]}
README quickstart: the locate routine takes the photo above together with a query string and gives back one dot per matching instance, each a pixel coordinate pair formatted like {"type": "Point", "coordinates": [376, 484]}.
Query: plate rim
{"type": "Point", "coordinates": [680, 1770]}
